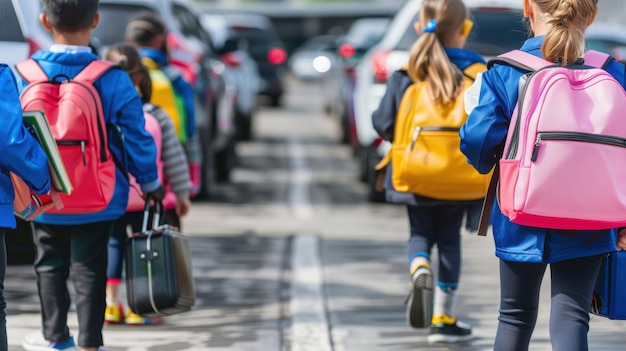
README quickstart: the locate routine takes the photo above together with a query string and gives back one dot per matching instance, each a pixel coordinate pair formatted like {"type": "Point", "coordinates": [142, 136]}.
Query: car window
{"type": "Point", "coordinates": [259, 41]}
{"type": "Point", "coordinates": [364, 34]}
{"type": "Point", "coordinates": [112, 28]}
{"type": "Point", "coordinates": [10, 29]}
{"type": "Point", "coordinates": [190, 26]}
{"type": "Point", "coordinates": [494, 32]}
{"type": "Point", "coordinates": [603, 45]}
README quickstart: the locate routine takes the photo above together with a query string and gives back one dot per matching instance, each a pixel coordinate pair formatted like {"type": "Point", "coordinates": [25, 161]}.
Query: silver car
{"type": "Point", "coordinates": [240, 66]}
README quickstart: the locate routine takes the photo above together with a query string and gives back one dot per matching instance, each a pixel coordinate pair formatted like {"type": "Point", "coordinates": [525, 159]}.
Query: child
{"type": "Point", "coordinates": [176, 173]}
{"type": "Point", "coordinates": [78, 242]}
{"type": "Point", "coordinates": [148, 31]}
{"type": "Point", "coordinates": [15, 142]}
{"type": "Point", "coordinates": [439, 60]}
{"type": "Point", "coordinates": [525, 252]}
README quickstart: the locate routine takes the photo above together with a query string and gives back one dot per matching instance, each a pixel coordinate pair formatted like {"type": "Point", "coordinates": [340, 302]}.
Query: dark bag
{"type": "Point", "coordinates": [608, 297]}
{"type": "Point", "coordinates": [159, 280]}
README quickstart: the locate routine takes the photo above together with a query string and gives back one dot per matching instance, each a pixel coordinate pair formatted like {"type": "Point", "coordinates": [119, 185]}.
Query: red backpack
{"type": "Point", "coordinates": [74, 111]}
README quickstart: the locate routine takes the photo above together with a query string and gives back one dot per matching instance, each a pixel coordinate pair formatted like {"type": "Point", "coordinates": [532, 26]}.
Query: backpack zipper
{"type": "Point", "coordinates": [418, 130]}
{"type": "Point", "coordinates": [81, 143]}
{"type": "Point", "coordinates": [576, 136]}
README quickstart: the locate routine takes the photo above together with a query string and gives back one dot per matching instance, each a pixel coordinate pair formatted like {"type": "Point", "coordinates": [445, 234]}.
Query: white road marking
{"type": "Point", "coordinates": [309, 328]}
{"type": "Point", "coordinates": [300, 180]}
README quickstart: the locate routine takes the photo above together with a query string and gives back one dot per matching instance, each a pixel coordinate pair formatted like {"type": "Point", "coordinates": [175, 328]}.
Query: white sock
{"type": "Point", "coordinates": [445, 302]}
{"type": "Point", "coordinates": [112, 301]}
{"type": "Point", "coordinates": [418, 261]}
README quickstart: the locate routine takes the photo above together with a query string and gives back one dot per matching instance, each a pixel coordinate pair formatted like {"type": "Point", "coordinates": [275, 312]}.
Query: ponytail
{"type": "Point", "coordinates": [428, 60]}
{"type": "Point", "coordinates": [127, 58]}
{"type": "Point", "coordinates": [565, 41]}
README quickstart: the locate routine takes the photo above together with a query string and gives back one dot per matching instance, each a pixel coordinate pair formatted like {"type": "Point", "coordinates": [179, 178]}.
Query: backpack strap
{"type": "Point", "coordinates": [473, 70]}
{"type": "Point", "coordinates": [93, 71]}
{"type": "Point", "coordinates": [31, 71]}
{"type": "Point", "coordinates": [597, 59]}
{"type": "Point", "coordinates": [485, 214]}
{"type": "Point", "coordinates": [520, 59]}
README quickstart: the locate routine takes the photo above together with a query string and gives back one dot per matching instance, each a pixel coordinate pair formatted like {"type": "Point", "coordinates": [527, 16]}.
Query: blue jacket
{"type": "Point", "coordinates": [20, 153]}
{"type": "Point", "coordinates": [181, 86]}
{"type": "Point", "coordinates": [122, 107]}
{"type": "Point", "coordinates": [485, 130]}
{"type": "Point", "coordinates": [384, 121]}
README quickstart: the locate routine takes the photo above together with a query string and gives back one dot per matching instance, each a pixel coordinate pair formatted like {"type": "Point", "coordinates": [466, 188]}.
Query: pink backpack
{"type": "Point", "coordinates": [136, 202]}
{"type": "Point", "coordinates": [76, 118]}
{"type": "Point", "coordinates": [562, 160]}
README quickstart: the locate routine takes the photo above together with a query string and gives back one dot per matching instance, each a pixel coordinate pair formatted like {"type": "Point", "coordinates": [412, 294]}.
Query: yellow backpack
{"type": "Point", "coordinates": [425, 154]}
{"type": "Point", "coordinates": [164, 96]}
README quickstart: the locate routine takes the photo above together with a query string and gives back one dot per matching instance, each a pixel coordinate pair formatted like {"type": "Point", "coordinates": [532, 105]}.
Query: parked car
{"type": "Point", "coordinates": [257, 34]}
{"type": "Point", "coordinates": [214, 116]}
{"type": "Point", "coordinates": [240, 65]}
{"type": "Point", "coordinates": [605, 37]}
{"type": "Point", "coordinates": [17, 36]}
{"type": "Point", "coordinates": [497, 28]}
{"type": "Point", "coordinates": [339, 88]}
{"type": "Point", "coordinates": [315, 58]}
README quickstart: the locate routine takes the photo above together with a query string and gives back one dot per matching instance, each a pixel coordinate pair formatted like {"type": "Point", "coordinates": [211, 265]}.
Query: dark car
{"type": "Point", "coordinates": [257, 33]}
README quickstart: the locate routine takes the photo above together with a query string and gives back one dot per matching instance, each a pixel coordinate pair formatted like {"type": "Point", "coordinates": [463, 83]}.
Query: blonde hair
{"type": "Point", "coordinates": [565, 42]}
{"type": "Point", "coordinates": [428, 60]}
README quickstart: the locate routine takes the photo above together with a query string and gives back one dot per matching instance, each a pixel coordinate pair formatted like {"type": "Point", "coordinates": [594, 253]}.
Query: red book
{"type": "Point", "coordinates": [27, 205]}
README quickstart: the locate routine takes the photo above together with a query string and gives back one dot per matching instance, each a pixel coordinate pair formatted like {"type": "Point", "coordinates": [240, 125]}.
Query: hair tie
{"type": "Point", "coordinates": [431, 27]}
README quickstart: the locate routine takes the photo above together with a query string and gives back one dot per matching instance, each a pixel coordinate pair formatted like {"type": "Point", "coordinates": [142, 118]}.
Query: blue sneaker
{"type": "Point", "coordinates": [37, 342]}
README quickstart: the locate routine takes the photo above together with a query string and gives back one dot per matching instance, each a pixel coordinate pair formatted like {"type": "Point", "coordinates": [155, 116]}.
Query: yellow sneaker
{"type": "Point", "coordinates": [135, 319]}
{"type": "Point", "coordinates": [113, 314]}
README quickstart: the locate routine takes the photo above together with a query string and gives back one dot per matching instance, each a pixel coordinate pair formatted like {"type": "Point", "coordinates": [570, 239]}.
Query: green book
{"type": "Point", "coordinates": [37, 124]}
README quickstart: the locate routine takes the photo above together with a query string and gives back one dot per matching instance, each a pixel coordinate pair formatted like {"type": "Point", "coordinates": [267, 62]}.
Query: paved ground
{"type": "Point", "coordinates": [294, 183]}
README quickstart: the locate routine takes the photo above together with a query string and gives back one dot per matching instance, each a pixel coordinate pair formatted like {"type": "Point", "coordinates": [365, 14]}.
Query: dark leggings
{"type": "Point", "coordinates": [3, 304]}
{"type": "Point", "coordinates": [572, 284]}
{"type": "Point", "coordinates": [439, 225]}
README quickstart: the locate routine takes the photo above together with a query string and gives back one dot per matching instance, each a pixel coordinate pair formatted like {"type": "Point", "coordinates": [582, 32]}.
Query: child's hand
{"type": "Point", "coordinates": [621, 239]}
{"type": "Point", "coordinates": [182, 207]}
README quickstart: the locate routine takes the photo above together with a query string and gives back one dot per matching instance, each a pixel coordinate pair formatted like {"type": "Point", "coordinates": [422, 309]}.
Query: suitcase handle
{"type": "Point", "coordinates": [156, 220]}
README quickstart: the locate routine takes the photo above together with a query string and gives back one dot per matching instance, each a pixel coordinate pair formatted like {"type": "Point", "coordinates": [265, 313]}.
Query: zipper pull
{"type": "Point", "coordinates": [82, 150]}
{"type": "Point", "coordinates": [416, 133]}
{"type": "Point", "coordinates": [533, 158]}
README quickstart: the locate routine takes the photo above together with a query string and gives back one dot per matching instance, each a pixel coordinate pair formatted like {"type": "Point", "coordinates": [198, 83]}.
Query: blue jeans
{"type": "Point", "coordinates": [572, 284]}
{"type": "Point", "coordinates": [117, 242]}
{"type": "Point", "coordinates": [439, 225]}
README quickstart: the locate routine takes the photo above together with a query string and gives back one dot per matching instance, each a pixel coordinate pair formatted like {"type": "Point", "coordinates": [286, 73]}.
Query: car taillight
{"type": "Point", "coordinates": [347, 51]}
{"type": "Point", "coordinates": [377, 142]}
{"type": "Point", "coordinates": [350, 71]}
{"type": "Point", "coordinates": [33, 46]}
{"type": "Point", "coordinates": [379, 61]}
{"type": "Point", "coordinates": [231, 59]}
{"type": "Point", "coordinates": [276, 56]}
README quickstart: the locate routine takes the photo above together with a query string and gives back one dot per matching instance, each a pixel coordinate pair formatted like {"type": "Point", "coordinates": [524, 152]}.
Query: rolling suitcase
{"type": "Point", "coordinates": [609, 297]}
{"type": "Point", "coordinates": [159, 280]}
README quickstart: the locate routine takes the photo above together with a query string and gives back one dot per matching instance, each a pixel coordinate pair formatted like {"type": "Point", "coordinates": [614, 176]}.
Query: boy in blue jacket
{"type": "Point", "coordinates": [78, 242]}
{"type": "Point", "coordinates": [21, 154]}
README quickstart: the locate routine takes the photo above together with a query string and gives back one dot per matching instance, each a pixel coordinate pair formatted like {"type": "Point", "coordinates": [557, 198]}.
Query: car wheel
{"type": "Point", "coordinates": [244, 126]}
{"type": "Point", "coordinates": [275, 100]}
{"type": "Point", "coordinates": [345, 129]}
{"type": "Point", "coordinates": [225, 161]}
{"type": "Point", "coordinates": [373, 194]}
{"type": "Point", "coordinates": [208, 164]}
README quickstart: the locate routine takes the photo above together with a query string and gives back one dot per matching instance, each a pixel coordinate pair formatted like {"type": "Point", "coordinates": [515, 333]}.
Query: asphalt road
{"type": "Point", "coordinates": [290, 257]}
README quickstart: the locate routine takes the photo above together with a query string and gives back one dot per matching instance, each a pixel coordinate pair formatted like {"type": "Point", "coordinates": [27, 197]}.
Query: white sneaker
{"type": "Point", "coordinates": [37, 342]}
